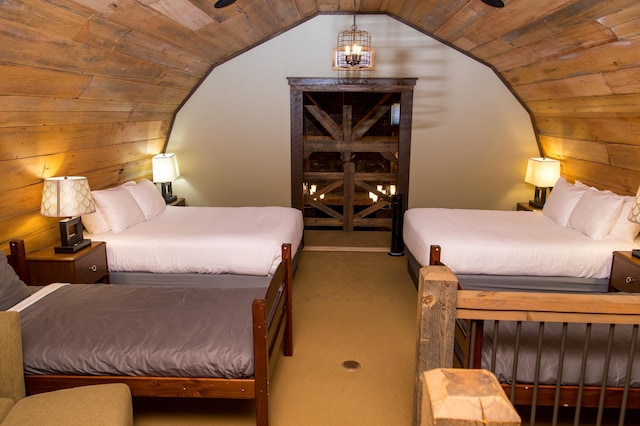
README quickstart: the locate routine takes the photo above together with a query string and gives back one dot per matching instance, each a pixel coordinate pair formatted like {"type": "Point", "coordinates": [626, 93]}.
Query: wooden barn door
{"type": "Point", "coordinates": [348, 156]}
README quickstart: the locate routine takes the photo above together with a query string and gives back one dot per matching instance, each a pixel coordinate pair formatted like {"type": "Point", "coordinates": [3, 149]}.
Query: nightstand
{"type": "Point", "coordinates": [178, 202]}
{"type": "Point", "coordinates": [625, 273]}
{"type": "Point", "coordinates": [86, 266]}
{"type": "Point", "coordinates": [525, 206]}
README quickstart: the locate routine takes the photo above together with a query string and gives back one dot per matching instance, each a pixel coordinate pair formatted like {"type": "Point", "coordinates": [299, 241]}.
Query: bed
{"type": "Point", "coordinates": [566, 247]}
{"type": "Point", "coordinates": [564, 349]}
{"type": "Point", "coordinates": [152, 243]}
{"type": "Point", "coordinates": [215, 343]}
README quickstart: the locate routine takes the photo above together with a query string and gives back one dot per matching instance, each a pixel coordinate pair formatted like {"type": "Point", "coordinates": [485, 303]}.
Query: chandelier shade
{"type": "Point", "coordinates": [354, 51]}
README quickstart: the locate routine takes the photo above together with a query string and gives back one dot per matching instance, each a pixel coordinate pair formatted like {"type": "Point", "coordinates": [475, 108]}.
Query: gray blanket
{"type": "Point", "coordinates": [550, 359]}
{"type": "Point", "coordinates": [141, 331]}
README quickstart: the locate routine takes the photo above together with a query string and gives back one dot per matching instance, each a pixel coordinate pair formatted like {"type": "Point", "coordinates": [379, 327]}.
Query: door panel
{"type": "Point", "coordinates": [348, 159]}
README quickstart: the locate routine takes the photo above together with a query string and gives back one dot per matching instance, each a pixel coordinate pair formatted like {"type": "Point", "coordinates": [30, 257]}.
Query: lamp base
{"type": "Point", "coordinates": [73, 248]}
{"type": "Point", "coordinates": [167, 192]}
{"type": "Point", "coordinates": [536, 203]}
{"type": "Point", "coordinates": [539, 198]}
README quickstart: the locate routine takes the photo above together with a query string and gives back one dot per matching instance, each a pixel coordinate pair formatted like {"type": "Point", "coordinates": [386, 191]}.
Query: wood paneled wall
{"type": "Point", "coordinates": [70, 106]}
{"type": "Point", "coordinates": [575, 67]}
{"type": "Point", "coordinates": [90, 87]}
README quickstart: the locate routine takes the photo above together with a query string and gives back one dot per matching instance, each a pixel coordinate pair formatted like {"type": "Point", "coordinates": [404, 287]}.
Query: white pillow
{"type": "Point", "coordinates": [596, 213]}
{"type": "Point", "coordinates": [624, 229]}
{"type": "Point", "coordinates": [148, 197]}
{"type": "Point", "coordinates": [94, 222]}
{"type": "Point", "coordinates": [562, 201]}
{"type": "Point", "coordinates": [119, 208]}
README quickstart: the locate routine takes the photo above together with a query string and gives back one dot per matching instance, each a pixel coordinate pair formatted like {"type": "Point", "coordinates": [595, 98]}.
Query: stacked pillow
{"type": "Point", "coordinates": [121, 207]}
{"type": "Point", "coordinates": [595, 213]}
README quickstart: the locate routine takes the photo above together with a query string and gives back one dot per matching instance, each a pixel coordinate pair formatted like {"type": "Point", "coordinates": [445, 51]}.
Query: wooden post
{"type": "Point", "coordinates": [459, 397]}
{"type": "Point", "coordinates": [348, 188]}
{"type": "Point", "coordinates": [437, 292]}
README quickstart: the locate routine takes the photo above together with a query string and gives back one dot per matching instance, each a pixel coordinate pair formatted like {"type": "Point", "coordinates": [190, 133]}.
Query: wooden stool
{"type": "Point", "coordinates": [456, 397]}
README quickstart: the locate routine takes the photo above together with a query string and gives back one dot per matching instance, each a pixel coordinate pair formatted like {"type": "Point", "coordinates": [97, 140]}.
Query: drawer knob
{"type": "Point", "coordinates": [629, 280]}
{"type": "Point", "coordinates": [94, 268]}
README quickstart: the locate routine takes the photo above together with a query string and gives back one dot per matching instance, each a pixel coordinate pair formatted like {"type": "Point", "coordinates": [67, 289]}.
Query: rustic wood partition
{"type": "Point", "coordinates": [458, 397]}
{"type": "Point", "coordinates": [91, 88]}
{"type": "Point", "coordinates": [441, 304]}
{"type": "Point", "coordinates": [349, 134]}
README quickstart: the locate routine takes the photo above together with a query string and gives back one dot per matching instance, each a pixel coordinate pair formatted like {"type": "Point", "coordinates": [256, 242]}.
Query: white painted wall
{"type": "Point", "coordinates": [470, 137]}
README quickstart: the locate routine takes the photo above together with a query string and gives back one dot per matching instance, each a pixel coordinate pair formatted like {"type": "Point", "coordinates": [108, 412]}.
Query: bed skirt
{"type": "Point", "coordinates": [519, 283]}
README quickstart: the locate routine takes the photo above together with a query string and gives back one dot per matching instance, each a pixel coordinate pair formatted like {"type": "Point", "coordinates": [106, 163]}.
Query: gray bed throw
{"type": "Point", "coordinates": [141, 331]}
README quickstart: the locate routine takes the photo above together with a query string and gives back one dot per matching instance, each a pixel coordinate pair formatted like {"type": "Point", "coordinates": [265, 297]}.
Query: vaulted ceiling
{"type": "Point", "coordinates": [110, 75]}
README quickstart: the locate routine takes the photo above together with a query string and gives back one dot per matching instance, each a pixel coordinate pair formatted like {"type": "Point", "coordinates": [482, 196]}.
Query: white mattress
{"type": "Point", "coordinates": [498, 242]}
{"type": "Point", "coordinates": [212, 240]}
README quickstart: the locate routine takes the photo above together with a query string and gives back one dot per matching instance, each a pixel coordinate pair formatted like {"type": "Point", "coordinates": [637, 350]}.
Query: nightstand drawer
{"type": "Point", "coordinates": [625, 273]}
{"type": "Point", "coordinates": [86, 266]}
{"type": "Point", "coordinates": [92, 267]}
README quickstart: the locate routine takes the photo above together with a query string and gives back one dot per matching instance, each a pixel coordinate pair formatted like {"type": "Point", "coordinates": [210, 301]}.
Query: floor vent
{"type": "Point", "coordinates": [351, 365]}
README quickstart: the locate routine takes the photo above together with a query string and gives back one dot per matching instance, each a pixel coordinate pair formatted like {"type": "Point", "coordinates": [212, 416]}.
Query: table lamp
{"type": "Point", "coordinates": [68, 197]}
{"type": "Point", "coordinates": [634, 216]}
{"type": "Point", "coordinates": [543, 173]}
{"type": "Point", "coordinates": [165, 171]}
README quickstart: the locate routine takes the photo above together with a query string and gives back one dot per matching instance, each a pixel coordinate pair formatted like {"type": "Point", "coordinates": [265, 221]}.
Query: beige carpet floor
{"type": "Point", "coordinates": [373, 241]}
{"type": "Point", "coordinates": [350, 303]}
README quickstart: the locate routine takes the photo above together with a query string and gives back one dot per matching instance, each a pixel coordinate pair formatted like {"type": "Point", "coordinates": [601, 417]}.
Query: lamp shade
{"type": "Point", "coordinates": [634, 214]}
{"type": "Point", "coordinates": [165, 167]}
{"type": "Point", "coordinates": [66, 196]}
{"type": "Point", "coordinates": [542, 172]}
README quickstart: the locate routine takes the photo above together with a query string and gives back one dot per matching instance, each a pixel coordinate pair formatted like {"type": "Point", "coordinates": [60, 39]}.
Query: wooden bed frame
{"type": "Point", "coordinates": [272, 330]}
{"type": "Point", "coordinates": [442, 343]}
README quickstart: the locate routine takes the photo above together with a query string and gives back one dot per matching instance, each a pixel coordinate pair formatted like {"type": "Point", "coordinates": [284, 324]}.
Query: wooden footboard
{"type": "Point", "coordinates": [272, 330]}
{"type": "Point", "coordinates": [453, 328]}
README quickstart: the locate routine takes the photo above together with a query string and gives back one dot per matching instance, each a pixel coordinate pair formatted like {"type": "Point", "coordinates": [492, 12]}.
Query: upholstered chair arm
{"type": "Point", "coordinates": [11, 368]}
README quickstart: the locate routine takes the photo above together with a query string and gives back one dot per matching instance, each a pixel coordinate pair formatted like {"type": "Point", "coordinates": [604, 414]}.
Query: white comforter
{"type": "Point", "coordinates": [507, 243]}
{"type": "Point", "coordinates": [215, 240]}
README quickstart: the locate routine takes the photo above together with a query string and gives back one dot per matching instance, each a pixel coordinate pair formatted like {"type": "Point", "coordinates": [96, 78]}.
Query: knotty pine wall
{"type": "Point", "coordinates": [79, 99]}
{"type": "Point", "coordinates": [575, 65]}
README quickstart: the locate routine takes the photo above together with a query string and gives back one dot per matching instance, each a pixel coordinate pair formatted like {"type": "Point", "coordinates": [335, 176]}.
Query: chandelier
{"type": "Point", "coordinates": [354, 51]}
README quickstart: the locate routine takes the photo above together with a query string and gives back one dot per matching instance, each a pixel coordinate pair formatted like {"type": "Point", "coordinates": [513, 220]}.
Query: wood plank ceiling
{"type": "Point", "coordinates": [91, 87]}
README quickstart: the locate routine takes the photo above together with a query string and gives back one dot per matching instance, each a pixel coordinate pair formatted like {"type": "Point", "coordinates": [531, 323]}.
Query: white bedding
{"type": "Point", "coordinates": [508, 243]}
{"type": "Point", "coordinates": [213, 240]}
